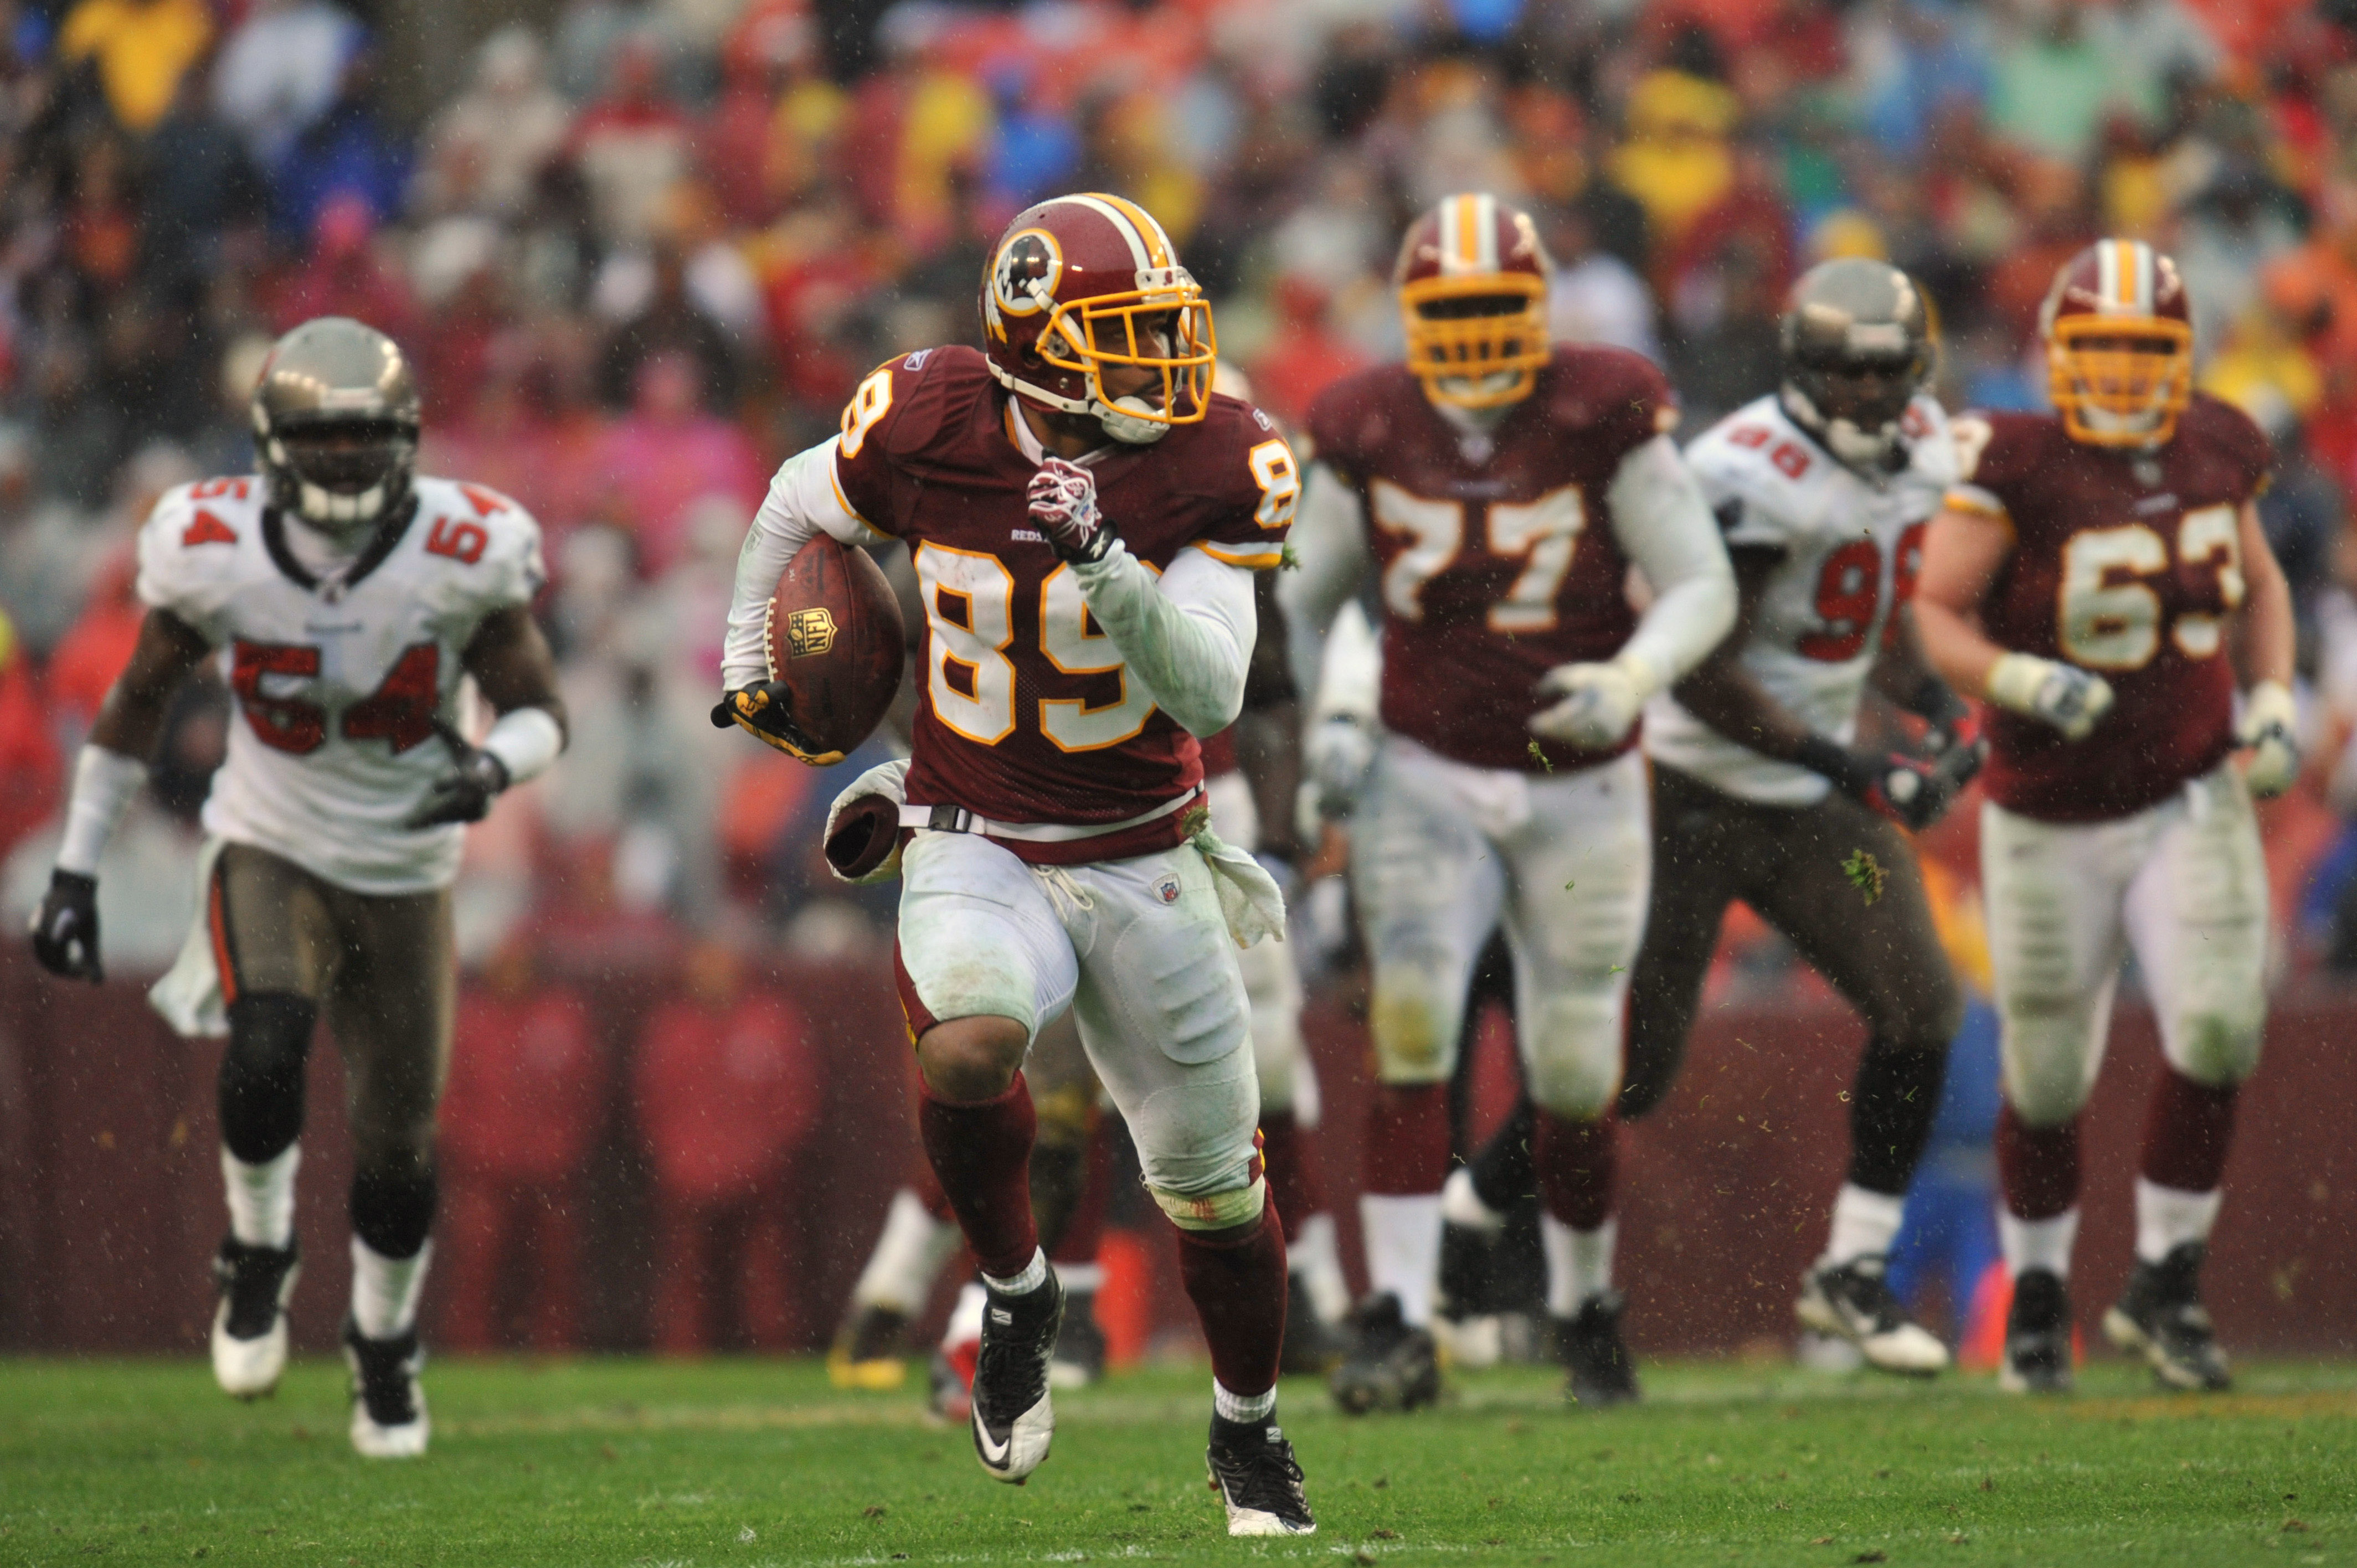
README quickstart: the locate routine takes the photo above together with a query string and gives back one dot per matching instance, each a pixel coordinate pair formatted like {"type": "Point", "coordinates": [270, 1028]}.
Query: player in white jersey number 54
{"type": "Point", "coordinates": [344, 596]}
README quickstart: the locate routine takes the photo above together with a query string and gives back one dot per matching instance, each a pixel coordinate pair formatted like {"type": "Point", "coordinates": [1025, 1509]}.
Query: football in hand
{"type": "Point", "coordinates": [834, 638]}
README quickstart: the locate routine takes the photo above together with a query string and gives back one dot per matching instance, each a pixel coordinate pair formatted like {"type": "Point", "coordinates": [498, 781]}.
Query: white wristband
{"type": "Point", "coordinates": [104, 784]}
{"type": "Point", "coordinates": [525, 740]}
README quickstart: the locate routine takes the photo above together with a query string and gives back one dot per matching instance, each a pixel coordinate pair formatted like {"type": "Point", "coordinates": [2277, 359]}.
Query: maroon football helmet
{"type": "Point", "coordinates": [2119, 345]}
{"type": "Point", "coordinates": [1472, 278]}
{"type": "Point", "coordinates": [1081, 284]}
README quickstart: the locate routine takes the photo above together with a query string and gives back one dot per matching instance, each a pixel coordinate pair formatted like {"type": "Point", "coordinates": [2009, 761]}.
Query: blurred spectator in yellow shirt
{"type": "Point", "coordinates": [142, 48]}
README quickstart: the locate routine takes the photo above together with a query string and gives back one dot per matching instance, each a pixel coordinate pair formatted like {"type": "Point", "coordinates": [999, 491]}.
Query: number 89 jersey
{"type": "Point", "coordinates": [2128, 564]}
{"type": "Point", "coordinates": [336, 685]}
{"type": "Point", "coordinates": [1851, 547]}
{"type": "Point", "coordinates": [1030, 714]}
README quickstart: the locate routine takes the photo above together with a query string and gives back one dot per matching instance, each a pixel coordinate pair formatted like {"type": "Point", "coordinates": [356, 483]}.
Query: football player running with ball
{"type": "Point", "coordinates": [1822, 491]}
{"type": "Point", "coordinates": [1085, 517]}
{"type": "Point", "coordinates": [1500, 490]}
{"type": "Point", "coordinates": [2099, 575]}
{"type": "Point", "coordinates": [345, 596]}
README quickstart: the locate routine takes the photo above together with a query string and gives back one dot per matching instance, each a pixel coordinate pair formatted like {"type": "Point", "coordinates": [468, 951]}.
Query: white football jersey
{"type": "Point", "coordinates": [336, 685]}
{"type": "Point", "coordinates": [1852, 546]}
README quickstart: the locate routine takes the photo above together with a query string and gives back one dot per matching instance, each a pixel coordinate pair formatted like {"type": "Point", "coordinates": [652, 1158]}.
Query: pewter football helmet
{"type": "Point", "coordinates": [335, 424]}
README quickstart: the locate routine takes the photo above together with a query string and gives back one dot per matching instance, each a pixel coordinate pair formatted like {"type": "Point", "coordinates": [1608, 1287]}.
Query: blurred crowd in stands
{"type": "Point", "coordinates": [643, 252]}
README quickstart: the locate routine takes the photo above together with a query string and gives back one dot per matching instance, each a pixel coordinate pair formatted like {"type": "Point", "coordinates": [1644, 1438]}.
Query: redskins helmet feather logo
{"type": "Point", "coordinates": [1023, 279]}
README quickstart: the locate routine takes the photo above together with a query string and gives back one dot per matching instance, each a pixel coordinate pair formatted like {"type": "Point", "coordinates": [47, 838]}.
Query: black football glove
{"type": "Point", "coordinates": [65, 928]}
{"type": "Point", "coordinates": [1911, 791]}
{"type": "Point", "coordinates": [1064, 503]}
{"type": "Point", "coordinates": [464, 794]}
{"type": "Point", "coordinates": [765, 709]}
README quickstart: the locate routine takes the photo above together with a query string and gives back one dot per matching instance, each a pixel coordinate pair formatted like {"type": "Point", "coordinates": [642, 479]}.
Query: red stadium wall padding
{"type": "Point", "coordinates": [110, 1199]}
{"type": "Point", "coordinates": [110, 1203]}
{"type": "Point", "coordinates": [1727, 1187]}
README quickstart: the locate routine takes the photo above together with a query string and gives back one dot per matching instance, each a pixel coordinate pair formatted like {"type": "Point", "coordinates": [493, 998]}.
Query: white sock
{"type": "Point", "coordinates": [385, 1290]}
{"type": "Point", "coordinates": [2168, 1218]}
{"type": "Point", "coordinates": [1864, 1225]}
{"type": "Point", "coordinates": [1461, 1205]}
{"type": "Point", "coordinates": [1316, 1259]}
{"type": "Point", "coordinates": [1579, 1264]}
{"type": "Point", "coordinates": [1034, 1275]}
{"type": "Point", "coordinates": [262, 1198]}
{"type": "Point", "coordinates": [1402, 1239]}
{"type": "Point", "coordinates": [1238, 1407]}
{"type": "Point", "coordinates": [2037, 1243]}
{"type": "Point", "coordinates": [910, 1251]}
{"type": "Point", "coordinates": [1081, 1279]}
{"type": "Point", "coordinates": [964, 1325]}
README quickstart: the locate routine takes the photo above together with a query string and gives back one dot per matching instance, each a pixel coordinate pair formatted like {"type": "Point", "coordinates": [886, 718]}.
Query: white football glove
{"type": "Point", "coordinates": [1599, 702]}
{"type": "Point", "coordinates": [2270, 732]}
{"type": "Point", "coordinates": [863, 827]}
{"type": "Point", "coordinates": [2071, 699]}
{"type": "Point", "coordinates": [1340, 751]}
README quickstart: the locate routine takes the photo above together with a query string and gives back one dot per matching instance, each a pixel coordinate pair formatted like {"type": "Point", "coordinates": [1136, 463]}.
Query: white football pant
{"type": "Point", "coordinates": [2183, 884]}
{"type": "Point", "coordinates": [1138, 951]}
{"type": "Point", "coordinates": [1442, 855]}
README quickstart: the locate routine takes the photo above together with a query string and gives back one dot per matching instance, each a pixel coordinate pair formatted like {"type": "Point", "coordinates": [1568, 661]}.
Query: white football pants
{"type": "Point", "coordinates": [1138, 951]}
{"type": "Point", "coordinates": [2184, 884]}
{"type": "Point", "coordinates": [1442, 854]}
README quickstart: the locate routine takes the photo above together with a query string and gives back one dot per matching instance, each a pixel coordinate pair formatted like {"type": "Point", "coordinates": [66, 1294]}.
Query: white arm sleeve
{"type": "Point", "coordinates": [1659, 516]}
{"type": "Point", "coordinates": [1329, 542]}
{"type": "Point", "coordinates": [104, 785]}
{"type": "Point", "coordinates": [1188, 636]}
{"type": "Point", "coordinates": [804, 501]}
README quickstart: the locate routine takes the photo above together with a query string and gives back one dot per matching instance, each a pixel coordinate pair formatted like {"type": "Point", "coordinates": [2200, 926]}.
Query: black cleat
{"type": "Point", "coordinates": [1014, 1418]}
{"type": "Point", "coordinates": [2037, 1336]}
{"type": "Point", "coordinates": [1854, 1302]}
{"type": "Point", "coordinates": [1253, 1470]}
{"type": "Point", "coordinates": [249, 1337]}
{"type": "Point", "coordinates": [1080, 1344]}
{"type": "Point", "coordinates": [1589, 1347]}
{"type": "Point", "coordinates": [2161, 1318]}
{"type": "Point", "coordinates": [866, 1352]}
{"type": "Point", "coordinates": [1466, 1252]}
{"type": "Point", "coordinates": [1311, 1347]}
{"type": "Point", "coordinates": [1388, 1365]}
{"type": "Point", "coordinates": [389, 1419]}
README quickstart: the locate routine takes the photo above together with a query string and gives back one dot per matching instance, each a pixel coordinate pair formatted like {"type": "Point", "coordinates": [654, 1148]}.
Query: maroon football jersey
{"type": "Point", "coordinates": [1028, 712]}
{"type": "Point", "coordinates": [1498, 553]}
{"type": "Point", "coordinates": [2126, 564]}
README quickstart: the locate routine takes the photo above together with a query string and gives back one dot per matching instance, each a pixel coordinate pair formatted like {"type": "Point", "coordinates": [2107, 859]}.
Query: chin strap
{"type": "Point", "coordinates": [1847, 440]}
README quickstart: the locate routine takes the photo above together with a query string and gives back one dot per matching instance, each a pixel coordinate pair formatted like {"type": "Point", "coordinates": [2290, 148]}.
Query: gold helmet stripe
{"type": "Point", "coordinates": [1157, 243]}
{"type": "Point", "coordinates": [1103, 205]}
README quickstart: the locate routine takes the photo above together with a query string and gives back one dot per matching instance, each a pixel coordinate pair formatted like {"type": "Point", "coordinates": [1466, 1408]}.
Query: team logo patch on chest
{"type": "Point", "coordinates": [809, 632]}
{"type": "Point", "coordinates": [1167, 889]}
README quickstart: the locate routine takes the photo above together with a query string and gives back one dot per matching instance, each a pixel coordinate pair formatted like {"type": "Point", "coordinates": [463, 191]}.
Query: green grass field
{"type": "Point", "coordinates": [740, 1464]}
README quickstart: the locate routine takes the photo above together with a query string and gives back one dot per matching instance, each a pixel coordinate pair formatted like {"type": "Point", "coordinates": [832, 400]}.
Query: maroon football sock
{"type": "Point", "coordinates": [1576, 1161]}
{"type": "Point", "coordinates": [1236, 1279]}
{"type": "Point", "coordinates": [982, 1151]}
{"type": "Point", "coordinates": [1294, 1180]}
{"type": "Point", "coordinates": [2039, 1166]}
{"type": "Point", "coordinates": [2186, 1132]}
{"type": "Point", "coordinates": [1085, 1230]}
{"type": "Point", "coordinates": [1407, 1139]}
